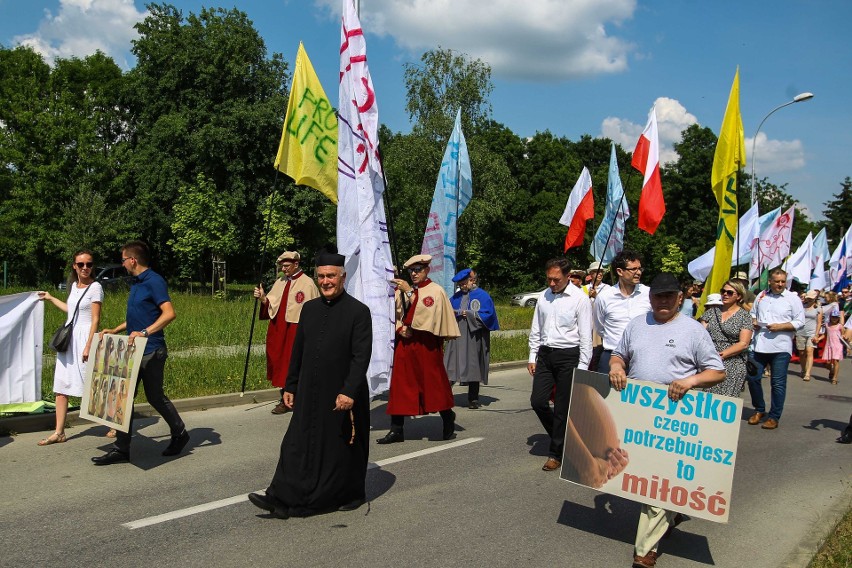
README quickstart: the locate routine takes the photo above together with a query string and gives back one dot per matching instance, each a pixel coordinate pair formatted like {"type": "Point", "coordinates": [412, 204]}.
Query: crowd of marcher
{"type": "Point", "coordinates": [319, 344]}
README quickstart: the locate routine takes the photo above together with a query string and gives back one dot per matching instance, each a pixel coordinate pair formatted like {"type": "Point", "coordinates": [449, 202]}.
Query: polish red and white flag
{"type": "Point", "coordinates": [579, 209]}
{"type": "Point", "coordinates": [646, 159]}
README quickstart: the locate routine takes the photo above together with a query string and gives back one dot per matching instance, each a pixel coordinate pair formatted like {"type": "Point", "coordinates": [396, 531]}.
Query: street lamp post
{"type": "Point", "coordinates": [797, 99]}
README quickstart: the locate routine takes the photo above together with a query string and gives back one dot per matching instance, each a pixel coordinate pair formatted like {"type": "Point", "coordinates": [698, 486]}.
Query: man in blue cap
{"type": "Point", "coordinates": [467, 358]}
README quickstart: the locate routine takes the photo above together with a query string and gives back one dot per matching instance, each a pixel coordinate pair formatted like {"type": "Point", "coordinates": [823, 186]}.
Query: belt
{"type": "Point", "coordinates": [546, 349]}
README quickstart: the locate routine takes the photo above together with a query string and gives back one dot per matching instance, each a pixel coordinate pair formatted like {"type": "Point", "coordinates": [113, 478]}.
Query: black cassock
{"type": "Point", "coordinates": [323, 462]}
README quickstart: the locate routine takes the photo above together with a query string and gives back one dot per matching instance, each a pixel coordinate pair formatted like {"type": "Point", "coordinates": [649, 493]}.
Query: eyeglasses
{"type": "Point", "coordinates": [727, 292]}
{"type": "Point", "coordinates": [123, 259]}
{"type": "Point", "coordinates": [84, 264]}
{"type": "Point", "coordinates": [634, 269]}
{"type": "Point", "coordinates": [415, 269]}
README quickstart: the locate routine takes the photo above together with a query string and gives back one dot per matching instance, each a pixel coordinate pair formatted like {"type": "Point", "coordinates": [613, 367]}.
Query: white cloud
{"type": "Point", "coordinates": [774, 156]}
{"type": "Point", "coordinates": [672, 119]}
{"type": "Point", "coordinates": [80, 27]}
{"type": "Point", "coordinates": [540, 40]}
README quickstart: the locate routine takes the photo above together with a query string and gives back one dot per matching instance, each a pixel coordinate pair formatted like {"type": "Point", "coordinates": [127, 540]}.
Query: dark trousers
{"type": "Point", "coordinates": [554, 368]}
{"type": "Point", "coordinates": [151, 377]}
{"type": "Point", "coordinates": [472, 391]}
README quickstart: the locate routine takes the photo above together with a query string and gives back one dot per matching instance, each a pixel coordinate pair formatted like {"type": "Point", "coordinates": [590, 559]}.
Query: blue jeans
{"type": "Point", "coordinates": [778, 363]}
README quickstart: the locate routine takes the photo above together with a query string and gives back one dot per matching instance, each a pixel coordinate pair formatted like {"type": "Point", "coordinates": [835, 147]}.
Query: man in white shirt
{"type": "Point", "coordinates": [777, 314]}
{"type": "Point", "coordinates": [560, 341]}
{"type": "Point", "coordinates": [616, 305]}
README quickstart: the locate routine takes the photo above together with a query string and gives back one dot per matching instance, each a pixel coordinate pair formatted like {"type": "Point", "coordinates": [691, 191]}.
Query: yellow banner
{"type": "Point", "coordinates": [308, 149]}
{"type": "Point", "coordinates": [729, 158]}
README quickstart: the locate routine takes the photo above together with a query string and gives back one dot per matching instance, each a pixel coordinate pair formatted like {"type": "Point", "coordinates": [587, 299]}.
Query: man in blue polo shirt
{"type": "Point", "coordinates": [149, 311]}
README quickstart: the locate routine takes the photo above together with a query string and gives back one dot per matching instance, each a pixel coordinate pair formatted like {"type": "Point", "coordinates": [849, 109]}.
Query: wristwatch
{"type": "Point", "coordinates": [144, 332]}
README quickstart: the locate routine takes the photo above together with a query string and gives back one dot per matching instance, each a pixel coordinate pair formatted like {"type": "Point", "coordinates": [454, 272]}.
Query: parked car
{"type": "Point", "coordinates": [110, 276]}
{"type": "Point", "coordinates": [527, 299]}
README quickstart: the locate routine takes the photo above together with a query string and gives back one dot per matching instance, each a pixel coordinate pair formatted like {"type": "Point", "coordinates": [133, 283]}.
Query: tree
{"type": "Point", "coordinates": [444, 83]}
{"type": "Point", "coordinates": [64, 133]}
{"type": "Point", "coordinates": [838, 211]}
{"type": "Point", "coordinates": [205, 100]}
{"type": "Point", "coordinates": [203, 223]}
{"type": "Point", "coordinates": [674, 261]}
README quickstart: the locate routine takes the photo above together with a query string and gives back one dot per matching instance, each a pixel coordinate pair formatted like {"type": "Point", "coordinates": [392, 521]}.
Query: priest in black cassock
{"type": "Point", "coordinates": [323, 462]}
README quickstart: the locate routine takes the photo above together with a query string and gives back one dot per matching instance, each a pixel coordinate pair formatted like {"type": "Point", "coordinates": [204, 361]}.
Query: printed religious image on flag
{"type": "Point", "coordinates": [640, 445]}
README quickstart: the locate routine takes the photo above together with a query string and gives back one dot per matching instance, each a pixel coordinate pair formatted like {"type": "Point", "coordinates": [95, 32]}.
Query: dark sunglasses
{"type": "Point", "coordinates": [85, 264]}
{"type": "Point", "coordinates": [415, 269]}
{"type": "Point", "coordinates": [727, 292]}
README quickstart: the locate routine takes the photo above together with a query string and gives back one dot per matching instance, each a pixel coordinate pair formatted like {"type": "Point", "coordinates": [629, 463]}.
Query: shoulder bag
{"type": "Point", "coordinates": [61, 340]}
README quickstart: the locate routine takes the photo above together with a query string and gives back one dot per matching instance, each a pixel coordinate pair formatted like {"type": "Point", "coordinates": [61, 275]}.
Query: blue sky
{"type": "Point", "coordinates": [569, 66]}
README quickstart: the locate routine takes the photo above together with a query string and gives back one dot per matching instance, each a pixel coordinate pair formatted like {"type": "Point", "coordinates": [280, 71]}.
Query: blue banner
{"type": "Point", "coordinates": [615, 216]}
{"type": "Point", "coordinates": [453, 192]}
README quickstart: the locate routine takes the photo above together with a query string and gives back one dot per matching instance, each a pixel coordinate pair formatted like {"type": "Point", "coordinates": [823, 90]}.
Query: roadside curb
{"type": "Point", "coordinates": [47, 421]}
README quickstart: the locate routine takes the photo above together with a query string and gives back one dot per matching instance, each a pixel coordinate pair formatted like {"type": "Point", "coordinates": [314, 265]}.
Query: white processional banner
{"type": "Point", "coordinates": [362, 232]}
{"type": "Point", "coordinates": [21, 339]}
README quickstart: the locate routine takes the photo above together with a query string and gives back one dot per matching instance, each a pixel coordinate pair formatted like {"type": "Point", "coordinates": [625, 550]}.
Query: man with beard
{"type": "Point", "coordinates": [323, 462]}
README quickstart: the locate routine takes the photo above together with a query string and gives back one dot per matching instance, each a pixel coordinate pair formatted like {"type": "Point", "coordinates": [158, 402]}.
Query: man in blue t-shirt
{"type": "Point", "coordinates": [149, 311]}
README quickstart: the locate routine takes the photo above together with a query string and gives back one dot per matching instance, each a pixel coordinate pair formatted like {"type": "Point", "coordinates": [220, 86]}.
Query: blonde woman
{"type": "Point", "coordinates": [730, 327]}
{"type": "Point", "coordinates": [70, 365]}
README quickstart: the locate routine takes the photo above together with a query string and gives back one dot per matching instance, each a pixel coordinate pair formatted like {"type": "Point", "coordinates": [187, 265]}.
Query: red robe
{"type": "Point", "coordinates": [279, 346]}
{"type": "Point", "coordinates": [279, 338]}
{"type": "Point", "coordinates": [419, 383]}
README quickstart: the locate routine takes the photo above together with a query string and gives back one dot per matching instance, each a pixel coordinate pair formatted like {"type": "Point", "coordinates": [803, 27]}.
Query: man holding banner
{"type": "Point", "coordinates": [668, 348]}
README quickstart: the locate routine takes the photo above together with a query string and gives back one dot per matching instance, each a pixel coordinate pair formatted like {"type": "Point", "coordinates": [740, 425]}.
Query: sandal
{"type": "Point", "coordinates": [53, 439]}
{"type": "Point", "coordinates": [111, 433]}
{"type": "Point", "coordinates": [806, 378]}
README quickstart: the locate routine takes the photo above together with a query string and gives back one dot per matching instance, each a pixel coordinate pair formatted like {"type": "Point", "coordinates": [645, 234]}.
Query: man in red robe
{"type": "Point", "coordinates": [419, 382]}
{"type": "Point", "coordinates": [282, 306]}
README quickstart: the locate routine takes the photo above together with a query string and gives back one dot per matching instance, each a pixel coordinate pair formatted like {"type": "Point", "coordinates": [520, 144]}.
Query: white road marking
{"type": "Point", "coordinates": [180, 513]}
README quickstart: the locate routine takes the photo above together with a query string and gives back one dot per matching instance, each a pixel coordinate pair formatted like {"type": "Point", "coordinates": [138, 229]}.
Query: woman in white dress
{"type": "Point", "coordinates": [70, 366]}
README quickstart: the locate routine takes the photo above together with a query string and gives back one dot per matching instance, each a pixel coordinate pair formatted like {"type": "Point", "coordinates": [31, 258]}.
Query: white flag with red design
{"type": "Point", "coordinates": [774, 244]}
{"type": "Point", "coordinates": [646, 159]}
{"type": "Point", "coordinates": [362, 233]}
{"type": "Point", "coordinates": [579, 209]}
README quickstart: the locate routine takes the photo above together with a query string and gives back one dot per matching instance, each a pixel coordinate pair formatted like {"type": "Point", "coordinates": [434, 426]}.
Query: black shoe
{"type": "Point", "coordinates": [268, 505]}
{"type": "Point", "coordinates": [391, 438]}
{"type": "Point", "coordinates": [111, 457]}
{"type": "Point", "coordinates": [846, 437]}
{"type": "Point", "coordinates": [449, 426]}
{"type": "Point", "coordinates": [352, 505]}
{"type": "Point", "coordinates": [474, 404]}
{"type": "Point", "coordinates": [177, 444]}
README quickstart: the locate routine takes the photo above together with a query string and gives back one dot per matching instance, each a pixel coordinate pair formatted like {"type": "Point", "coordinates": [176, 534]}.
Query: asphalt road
{"type": "Point", "coordinates": [479, 500]}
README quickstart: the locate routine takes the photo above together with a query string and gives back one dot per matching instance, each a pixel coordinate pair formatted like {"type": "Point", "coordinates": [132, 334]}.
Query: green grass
{"type": "Point", "coordinates": [836, 551]}
{"type": "Point", "coordinates": [204, 321]}
{"type": "Point", "coordinates": [514, 317]}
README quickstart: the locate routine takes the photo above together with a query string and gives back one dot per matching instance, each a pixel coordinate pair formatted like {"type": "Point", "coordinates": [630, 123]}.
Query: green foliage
{"type": "Point", "coordinates": [674, 261]}
{"type": "Point", "coordinates": [202, 223]}
{"type": "Point", "coordinates": [205, 100]}
{"type": "Point", "coordinates": [442, 84]}
{"type": "Point", "coordinates": [838, 211]}
{"type": "Point", "coordinates": [279, 237]}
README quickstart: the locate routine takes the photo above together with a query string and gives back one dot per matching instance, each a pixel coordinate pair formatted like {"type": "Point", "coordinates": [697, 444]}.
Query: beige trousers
{"type": "Point", "coordinates": [653, 524]}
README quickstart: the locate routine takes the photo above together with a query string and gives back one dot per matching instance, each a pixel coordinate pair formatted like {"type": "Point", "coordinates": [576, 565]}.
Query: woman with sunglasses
{"type": "Point", "coordinates": [730, 327]}
{"type": "Point", "coordinates": [70, 365]}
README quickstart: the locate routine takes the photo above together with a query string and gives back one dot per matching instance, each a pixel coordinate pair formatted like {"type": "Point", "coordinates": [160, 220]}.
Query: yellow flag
{"type": "Point", "coordinates": [729, 158]}
{"type": "Point", "coordinates": [308, 149]}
